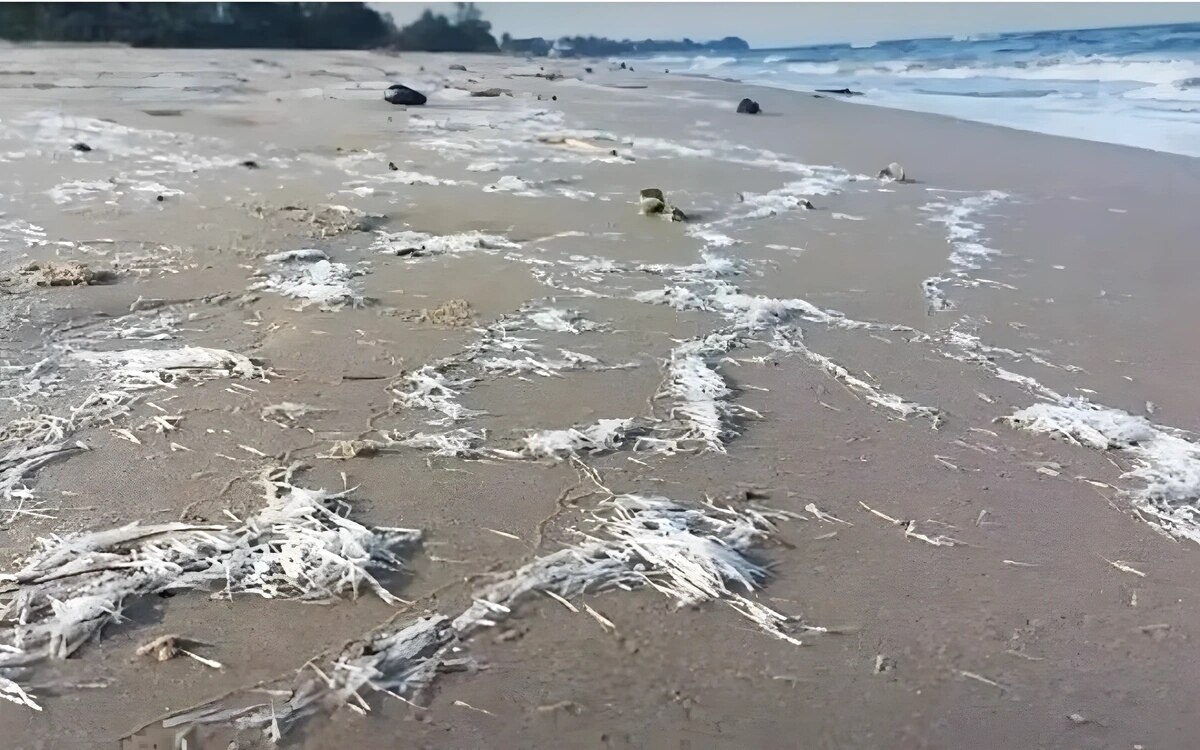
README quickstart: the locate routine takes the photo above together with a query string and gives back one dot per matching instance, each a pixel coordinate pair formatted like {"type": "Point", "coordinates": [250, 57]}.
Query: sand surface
{"type": "Point", "coordinates": [764, 356]}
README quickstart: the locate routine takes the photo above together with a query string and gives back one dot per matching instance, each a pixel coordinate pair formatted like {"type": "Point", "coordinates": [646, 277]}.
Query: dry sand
{"type": "Point", "coordinates": [1020, 634]}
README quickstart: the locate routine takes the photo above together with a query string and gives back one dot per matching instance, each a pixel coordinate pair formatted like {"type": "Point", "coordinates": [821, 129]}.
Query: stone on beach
{"type": "Point", "coordinates": [748, 107]}
{"type": "Point", "coordinates": [652, 201]}
{"type": "Point", "coordinates": [491, 92]}
{"type": "Point", "coordinates": [398, 93]}
{"type": "Point", "coordinates": [458, 66]}
{"type": "Point", "coordinates": [892, 171]}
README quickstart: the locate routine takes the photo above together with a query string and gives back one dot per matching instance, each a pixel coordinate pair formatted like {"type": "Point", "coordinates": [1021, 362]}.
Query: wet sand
{"type": "Point", "coordinates": [994, 619]}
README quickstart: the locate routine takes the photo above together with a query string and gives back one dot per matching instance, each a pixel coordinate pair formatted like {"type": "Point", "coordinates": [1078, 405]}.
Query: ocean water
{"type": "Point", "coordinates": [1136, 86]}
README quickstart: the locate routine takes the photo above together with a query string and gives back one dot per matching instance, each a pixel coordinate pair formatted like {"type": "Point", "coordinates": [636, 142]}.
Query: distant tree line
{"type": "Point", "coordinates": [278, 25]}
{"type": "Point", "coordinates": [298, 26]}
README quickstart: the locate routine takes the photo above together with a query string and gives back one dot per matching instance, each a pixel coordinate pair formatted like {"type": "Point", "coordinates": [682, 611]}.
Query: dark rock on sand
{"type": "Point", "coordinates": [652, 201]}
{"type": "Point", "coordinates": [250, 164]}
{"type": "Point", "coordinates": [401, 94]}
{"type": "Point", "coordinates": [491, 92]}
{"type": "Point", "coordinates": [622, 66]}
{"type": "Point", "coordinates": [843, 92]}
{"type": "Point", "coordinates": [587, 70]}
{"type": "Point", "coordinates": [81, 147]}
{"type": "Point", "coordinates": [748, 107]}
{"type": "Point", "coordinates": [457, 66]}
{"type": "Point", "coordinates": [392, 166]}
{"type": "Point", "coordinates": [893, 171]}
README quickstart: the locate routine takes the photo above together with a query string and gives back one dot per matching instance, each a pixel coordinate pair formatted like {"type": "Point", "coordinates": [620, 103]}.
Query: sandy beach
{"type": "Point", "coordinates": [435, 439]}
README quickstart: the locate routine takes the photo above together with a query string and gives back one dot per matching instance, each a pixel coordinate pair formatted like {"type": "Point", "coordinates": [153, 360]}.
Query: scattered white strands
{"type": "Point", "coordinates": [699, 394]}
{"type": "Point", "coordinates": [1124, 567]}
{"type": "Point", "coordinates": [963, 234]}
{"type": "Point", "coordinates": [980, 678]}
{"type": "Point", "coordinates": [1166, 461]}
{"type": "Point", "coordinates": [12, 692]}
{"type": "Point", "coordinates": [409, 244]}
{"type": "Point", "coordinates": [872, 394]}
{"type": "Point", "coordinates": [135, 369]}
{"type": "Point", "coordinates": [560, 321]}
{"type": "Point", "coordinates": [603, 435]}
{"type": "Point", "coordinates": [429, 388]}
{"type": "Point", "coordinates": [690, 554]}
{"type": "Point", "coordinates": [301, 545]}
{"type": "Point", "coordinates": [311, 278]}
{"type": "Point", "coordinates": [821, 515]}
{"type": "Point", "coordinates": [461, 443]}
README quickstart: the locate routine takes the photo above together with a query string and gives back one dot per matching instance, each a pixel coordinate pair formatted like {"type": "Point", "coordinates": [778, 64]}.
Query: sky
{"type": "Point", "coordinates": [766, 25]}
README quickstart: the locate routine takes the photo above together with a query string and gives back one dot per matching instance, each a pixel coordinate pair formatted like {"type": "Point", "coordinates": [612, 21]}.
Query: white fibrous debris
{"type": "Point", "coordinates": [461, 443]}
{"type": "Point", "coordinates": [397, 660]}
{"type": "Point", "coordinates": [302, 545]}
{"type": "Point", "coordinates": [791, 342]}
{"type": "Point", "coordinates": [401, 177]}
{"type": "Point", "coordinates": [511, 184]}
{"type": "Point", "coordinates": [967, 252]}
{"type": "Point", "coordinates": [547, 368]}
{"type": "Point", "coordinates": [18, 463]}
{"type": "Point", "coordinates": [146, 368]}
{"type": "Point", "coordinates": [699, 394]}
{"type": "Point", "coordinates": [678, 297]}
{"type": "Point", "coordinates": [968, 347]}
{"type": "Point", "coordinates": [935, 296]}
{"type": "Point", "coordinates": [429, 388]}
{"type": "Point", "coordinates": [309, 276]}
{"type": "Point", "coordinates": [602, 435]}
{"type": "Point", "coordinates": [691, 554]}
{"type": "Point", "coordinates": [560, 321]}
{"type": "Point", "coordinates": [409, 244]}
{"type": "Point", "coordinates": [1167, 462]}
{"type": "Point", "coordinates": [27, 443]}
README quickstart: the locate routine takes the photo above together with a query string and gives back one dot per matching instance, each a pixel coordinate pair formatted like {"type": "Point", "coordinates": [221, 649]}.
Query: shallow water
{"type": "Point", "coordinates": [1136, 86]}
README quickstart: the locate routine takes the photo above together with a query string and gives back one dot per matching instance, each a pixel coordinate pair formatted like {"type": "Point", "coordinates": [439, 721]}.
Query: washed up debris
{"type": "Point", "coordinates": [491, 92]}
{"type": "Point", "coordinates": [144, 368]}
{"type": "Point", "coordinates": [693, 555]}
{"type": "Point", "coordinates": [430, 388]}
{"type": "Point", "coordinates": [603, 435]}
{"type": "Point", "coordinates": [398, 93]}
{"type": "Point", "coordinates": [653, 201]}
{"type": "Point", "coordinates": [167, 647]}
{"type": "Point", "coordinates": [821, 515]}
{"type": "Point", "coordinates": [453, 313]}
{"type": "Point", "coordinates": [344, 449]}
{"type": "Point", "coordinates": [458, 66]}
{"type": "Point", "coordinates": [288, 411]}
{"type": "Point", "coordinates": [302, 545]}
{"type": "Point", "coordinates": [1124, 567]}
{"type": "Point", "coordinates": [460, 443]}
{"type": "Point", "coordinates": [893, 172]}
{"type": "Point", "coordinates": [410, 244]}
{"type": "Point", "coordinates": [309, 276]}
{"type": "Point", "coordinates": [690, 554]}
{"type": "Point", "coordinates": [700, 396]}
{"type": "Point", "coordinates": [61, 273]}
{"type": "Point", "coordinates": [748, 107]}
{"type": "Point", "coordinates": [1166, 461]}
{"type": "Point", "coordinates": [841, 92]}
{"type": "Point", "coordinates": [328, 220]}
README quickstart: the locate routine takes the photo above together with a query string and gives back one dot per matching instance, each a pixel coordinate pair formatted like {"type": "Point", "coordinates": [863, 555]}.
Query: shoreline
{"type": "Point", "coordinates": [456, 314]}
